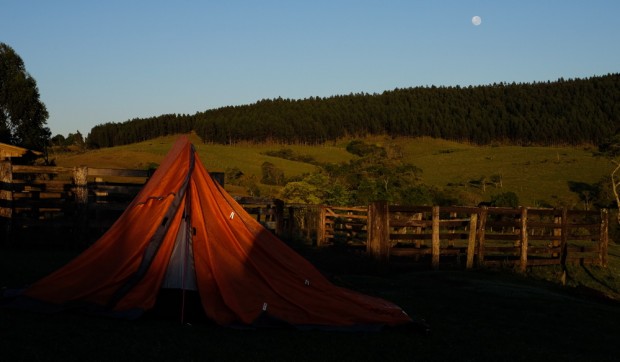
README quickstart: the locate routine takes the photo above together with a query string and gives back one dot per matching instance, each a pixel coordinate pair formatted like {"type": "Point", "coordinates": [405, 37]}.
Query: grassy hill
{"type": "Point", "coordinates": [535, 174]}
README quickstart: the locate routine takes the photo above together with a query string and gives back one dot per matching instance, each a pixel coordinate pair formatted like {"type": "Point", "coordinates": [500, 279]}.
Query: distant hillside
{"type": "Point", "coordinates": [539, 176]}
{"type": "Point", "coordinates": [563, 112]}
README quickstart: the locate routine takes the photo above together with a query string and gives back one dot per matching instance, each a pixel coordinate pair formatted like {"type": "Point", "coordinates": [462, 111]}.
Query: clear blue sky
{"type": "Point", "coordinates": [110, 61]}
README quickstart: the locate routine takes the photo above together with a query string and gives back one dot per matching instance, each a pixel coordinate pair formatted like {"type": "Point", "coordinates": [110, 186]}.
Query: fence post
{"type": "Point", "coordinates": [557, 231]}
{"type": "Point", "coordinates": [564, 238]}
{"type": "Point", "coordinates": [80, 179]}
{"type": "Point", "coordinates": [480, 233]}
{"type": "Point", "coordinates": [435, 247]}
{"type": "Point", "coordinates": [6, 198]}
{"type": "Point", "coordinates": [292, 223]}
{"type": "Point", "coordinates": [524, 240]}
{"type": "Point", "coordinates": [378, 232]}
{"type": "Point", "coordinates": [320, 229]}
{"type": "Point", "coordinates": [604, 238]}
{"type": "Point", "coordinates": [279, 215]}
{"type": "Point", "coordinates": [471, 243]}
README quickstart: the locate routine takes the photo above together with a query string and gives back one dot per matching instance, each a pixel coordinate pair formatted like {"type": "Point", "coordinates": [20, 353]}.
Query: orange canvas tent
{"type": "Point", "coordinates": [184, 231]}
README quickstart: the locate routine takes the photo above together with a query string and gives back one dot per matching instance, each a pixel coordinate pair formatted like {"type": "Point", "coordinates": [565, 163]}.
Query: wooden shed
{"type": "Point", "coordinates": [9, 151]}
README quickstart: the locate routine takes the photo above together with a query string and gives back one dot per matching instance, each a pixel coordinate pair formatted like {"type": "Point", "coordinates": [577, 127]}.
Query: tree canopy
{"type": "Point", "coordinates": [563, 112]}
{"type": "Point", "coordinates": [22, 114]}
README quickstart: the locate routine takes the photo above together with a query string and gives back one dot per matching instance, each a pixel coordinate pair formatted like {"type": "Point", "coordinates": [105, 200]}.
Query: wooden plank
{"type": "Point", "coordinates": [542, 250]}
{"type": "Point", "coordinates": [356, 209]}
{"type": "Point", "coordinates": [563, 236]}
{"type": "Point", "coordinates": [454, 222]}
{"type": "Point", "coordinates": [38, 204]}
{"type": "Point", "coordinates": [544, 212]}
{"type": "Point", "coordinates": [412, 223]}
{"type": "Point", "coordinates": [40, 195]}
{"type": "Point", "coordinates": [411, 209]}
{"type": "Point", "coordinates": [509, 250]}
{"type": "Point", "coordinates": [37, 184]}
{"type": "Point", "coordinates": [378, 237]}
{"type": "Point", "coordinates": [92, 171]}
{"type": "Point", "coordinates": [481, 235]}
{"type": "Point", "coordinates": [550, 238]}
{"type": "Point", "coordinates": [604, 238]}
{"type": "Point", "coordinates": [347, 217]}
{"type": "Point", "coordinates": [117, 206]}
{"type": "Point", "coordinates": [541, 224]}
{"type": "Point", "coordinates": [435, 238]}
{"type": "Point", "coordinates": [41, 169]}
{"type": "Point", "coordinates": [129, 190]}
{"type": "Point", "coordinates": [503, 211]}
{"type": "Point", "coordinates": [321, 232]}
{"type": "Point", "coordinates": [502, 237]}
{"type": "Point", "coordinates": [466, 210]}
{"type": "Point", "coordinates": [503, 224]}
{"type": "Point", "coordinates": [524, 241]}
{"type": "Point", "coordinates": [471, 242]}
{"type": "Point", "coordinates": [411, 236]}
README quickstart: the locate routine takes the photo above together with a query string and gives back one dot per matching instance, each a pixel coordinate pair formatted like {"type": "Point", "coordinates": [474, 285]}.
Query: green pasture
{"type": "Point", "coordinates": [536, 174]}
{"type": "Point", "coordinates": [533, 173]}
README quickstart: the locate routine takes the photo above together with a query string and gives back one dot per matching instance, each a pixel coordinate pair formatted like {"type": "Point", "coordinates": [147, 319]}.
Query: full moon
{"type": "Point", "coordinates": [476, 20]}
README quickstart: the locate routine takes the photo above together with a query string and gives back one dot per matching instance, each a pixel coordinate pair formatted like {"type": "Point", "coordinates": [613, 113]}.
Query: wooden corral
{"type": "Point", "coordinates": [478, 236]}
{"type": "Point", "coordinates": [77, 205]}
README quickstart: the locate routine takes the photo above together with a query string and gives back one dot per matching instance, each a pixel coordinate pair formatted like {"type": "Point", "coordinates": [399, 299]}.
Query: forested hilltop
{"type": "Point", "coordinates": [567, 112]}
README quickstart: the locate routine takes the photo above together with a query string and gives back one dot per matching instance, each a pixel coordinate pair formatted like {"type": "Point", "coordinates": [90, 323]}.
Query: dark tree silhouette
{"type": "Point", "coordinates": [22, 115]}
{"type": "Point", "coordinates": [564, 112]}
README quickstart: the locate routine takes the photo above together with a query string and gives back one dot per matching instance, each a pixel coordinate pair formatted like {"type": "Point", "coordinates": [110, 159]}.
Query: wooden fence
{"type": "Point", "coordinates": [76, 205]}
{"type": "Point", "coordinates": [44, 205]}
{"type": "Point", "coordinates": [73, 204]}
{"type": "Point", "coordinates": [469, 236]}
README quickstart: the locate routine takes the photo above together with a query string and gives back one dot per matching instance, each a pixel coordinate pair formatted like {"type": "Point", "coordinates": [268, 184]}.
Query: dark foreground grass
{"type": "Point", "coordinates": [474, 316]}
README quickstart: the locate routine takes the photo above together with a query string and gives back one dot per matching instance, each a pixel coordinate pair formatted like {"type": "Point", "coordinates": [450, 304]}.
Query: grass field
{"type": "Point", "coordinates": [535, 174]}
{"type": "Point", "coordinates": [475, 316]}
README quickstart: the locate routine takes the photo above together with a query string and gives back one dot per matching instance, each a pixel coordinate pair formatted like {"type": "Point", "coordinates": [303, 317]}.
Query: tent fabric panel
{"type": "Point", "coordinates": [213, 303]}
{"type": "Point", "coordinates": [180, 273]}
{"type": "Point", "coordinates": [162, 236]}
{"type": "Point", "coordinates": [143, 295]}
{"type": "Point", "coordinates": [256, 272]}
{"type": "Point", "coordinates": [118, 253]}
{"type": "Point", "coordinates": [169, 176]}
{"type": "Point", "coordinates": [116, 256]}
